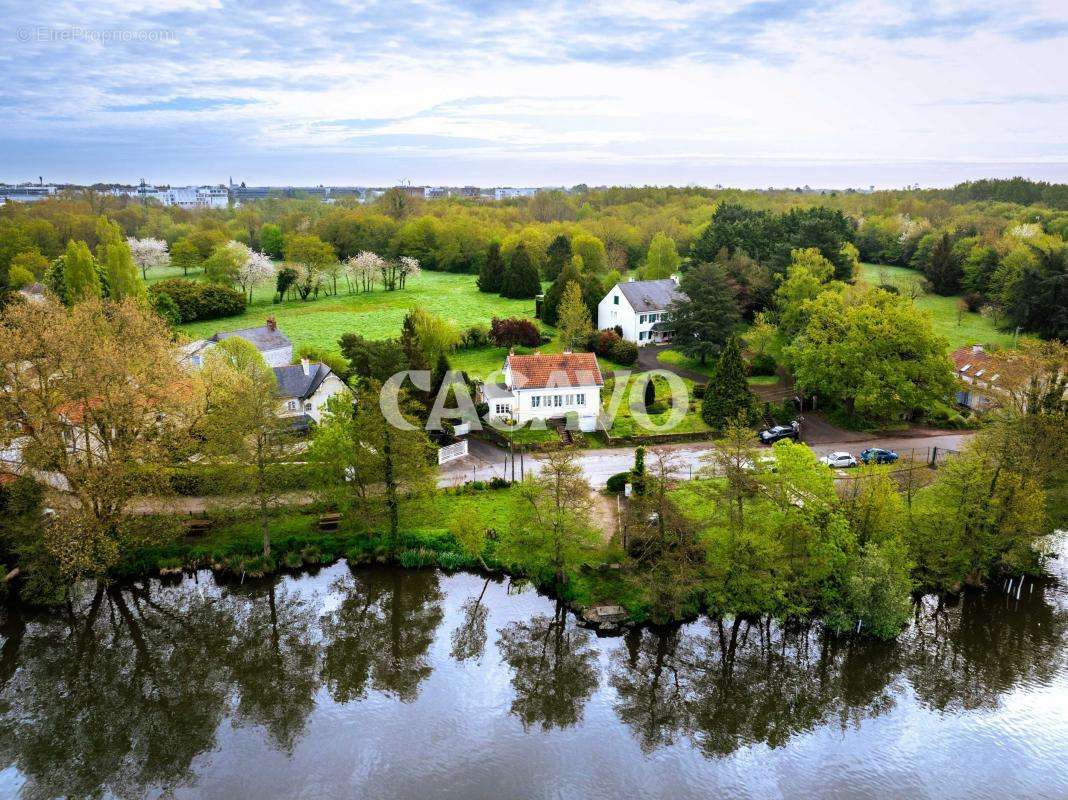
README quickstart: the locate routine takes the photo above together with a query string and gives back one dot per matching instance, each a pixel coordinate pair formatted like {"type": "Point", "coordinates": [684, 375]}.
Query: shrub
{"type": "Point", "coordinates": [625, 353]}
{"type": "Point", "coordinates": [514, 331]}
{"type": "Point", "coordinates": [185, 293]}
{"type": "Point", "coordinates": [973, 300]}
{"type": "Point", "coordinates": [603, 343]}
{"type": "Point", "coordinates": [220, 301]}
{"type": "Point", "coordinates": [199, 301]}
{"type": "Point", "coordinates": [474, 337]}
{"type": "Point", "coordinates": [762, 364]}
{"type": "Point", "coordinates": [889, 287]}
{"type": "Point", "coordinates": [618, 482]}
{"type": "Point", "coordinates": [166, 308]}
{"type": "Point", "coordinates": [499, 483]}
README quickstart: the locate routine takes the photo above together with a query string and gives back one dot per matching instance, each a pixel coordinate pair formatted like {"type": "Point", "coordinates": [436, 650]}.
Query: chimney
{"type": "Point", "coordinates": [272, 325]}
{"type": "Point", "coordinates": [305, 365]}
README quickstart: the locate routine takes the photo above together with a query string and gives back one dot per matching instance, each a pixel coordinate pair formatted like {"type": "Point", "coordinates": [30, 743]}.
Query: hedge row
{"type": "Point", "coordinates": [197, 300]}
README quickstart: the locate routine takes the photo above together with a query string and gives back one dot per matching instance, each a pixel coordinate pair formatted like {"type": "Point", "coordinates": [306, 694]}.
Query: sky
{"type": "Point", "coordinates": [534, 92]}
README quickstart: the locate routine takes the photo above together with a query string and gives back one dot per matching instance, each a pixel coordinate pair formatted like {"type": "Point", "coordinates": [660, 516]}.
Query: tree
{"type": "Point", "coordinates": [808, 275]}
{"type": "Point", "coordinates": [558, 255]}
{"type": "Point", "coordinates": [550, 306]}
{"type": "Point", "coordinates": [373, 358]}
{"type": "Point", "coordinates": [520, 279]}
{"type": "Point", "coordinates": [271, 240]}
{"type": "Point", "coordinates": [312, 255]}
{"type": "Point", "coordinates": [592, 251]}
{"type": "Point", "coordinates": [574, 322]}
{"type": "Point", "coordinates": [551, 529]}
{"type": "Point", "coordinates": [661, 260]}
{"type": "Point", "coordinates": [224, 264]}
{"type": "Point", "coordinates": [184, 254]}
{"type": "Point", "coordinates": [363, 270]}
{"type": "Point", "coordinates": [492, 272]}
{"type": "Point", "coordinates": [255, 269]}
{"type": "Point", "coordinates": [122, 276]}
{"type": "Point", "coordinates": [943, 270]}
{"type": "Point", "coordinates": [242, 428]}
{"type": "Point", "coordinates": [95, 395]}
{"type": "Point", "coordinates": [873, 352]}
{"type": "Point", "coordinates": [708, 315]}
{"type": "Point", "coordinates": [367, 460]}
{"type": "Point", "coordinates": [727, 395]}
{"type": "Point", "coordinates": [79, 273]}
{"type": "Point", "coordinates": [149, 254]}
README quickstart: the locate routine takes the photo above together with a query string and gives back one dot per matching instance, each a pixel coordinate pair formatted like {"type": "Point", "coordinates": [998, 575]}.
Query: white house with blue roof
{"type": "Point", "coordinates": [641, 309]}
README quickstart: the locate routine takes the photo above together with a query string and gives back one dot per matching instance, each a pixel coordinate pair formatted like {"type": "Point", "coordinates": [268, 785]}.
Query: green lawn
{"type": "Point", "coordinates": [624, 423]}
{"type": "Point", "coordinates": [375, 315]}
{"type": "Point", "coordinates": [971, 329]}
{"type": "Point", "coordinates": [678, 359]}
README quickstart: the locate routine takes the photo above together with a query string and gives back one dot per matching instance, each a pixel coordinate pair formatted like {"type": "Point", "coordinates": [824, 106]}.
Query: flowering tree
{"type": "Point", "coordinates": [363, 269]}
{"type": "Point", "coordinates": [149, 254]}
{"type": "Point", "coordinates": [253, 268]}
{"type": "Point", "coordinates": [407, 266]}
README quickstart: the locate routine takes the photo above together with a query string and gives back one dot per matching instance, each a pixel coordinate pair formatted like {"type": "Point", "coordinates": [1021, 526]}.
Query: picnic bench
{"type": "Point", "coordinates": [329, 521]}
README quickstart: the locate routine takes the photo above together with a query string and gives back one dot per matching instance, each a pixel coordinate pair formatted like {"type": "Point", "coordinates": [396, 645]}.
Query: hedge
{"type": "Point", "coordinates": [200, 301]}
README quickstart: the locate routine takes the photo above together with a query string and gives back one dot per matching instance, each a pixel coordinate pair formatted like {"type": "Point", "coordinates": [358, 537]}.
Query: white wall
{"type": "Point", "coordinates": [317, 402]}
{"type": "Point", "coordinates": [610, 314]}
{"type": "Point", "coordinates": [585, 401]}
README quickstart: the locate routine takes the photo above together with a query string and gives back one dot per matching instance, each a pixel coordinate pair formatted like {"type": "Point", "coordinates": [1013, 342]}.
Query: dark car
{"type": "Point", "coordinates": [877, 455]}
{"type": "Point", "coordinates": [772, 435]}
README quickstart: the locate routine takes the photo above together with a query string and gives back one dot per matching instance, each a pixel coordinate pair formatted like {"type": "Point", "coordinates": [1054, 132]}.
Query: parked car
{"type": "Point", "coordinates": [839, 460]}
{"type": "Point", "coordinates": [772, 435]}
{"type": "Point", "coordinates": [877, 455]}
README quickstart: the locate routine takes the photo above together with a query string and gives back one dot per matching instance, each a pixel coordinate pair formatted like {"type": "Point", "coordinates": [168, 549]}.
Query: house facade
{"type": "Point", "coordinates": [303, 391]}
{"type": "Point", "coordinates": [545, 387]}
{"type": "Point", "coordinates": [640, 309]}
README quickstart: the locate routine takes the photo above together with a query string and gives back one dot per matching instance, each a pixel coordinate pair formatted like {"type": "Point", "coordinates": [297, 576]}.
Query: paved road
{"type": "Point", "coordinates": [485, 461]}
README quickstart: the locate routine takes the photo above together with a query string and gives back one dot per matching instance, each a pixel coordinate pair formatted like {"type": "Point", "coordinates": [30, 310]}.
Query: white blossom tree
{"type": "Point", "coordinates": [256, 268]}
{"type": "Point", "coordinates": [407, 266]}
{"type": "Point", "coordinates": [363, 270]}
{"type": "Point", "coordinates": [149, 254]}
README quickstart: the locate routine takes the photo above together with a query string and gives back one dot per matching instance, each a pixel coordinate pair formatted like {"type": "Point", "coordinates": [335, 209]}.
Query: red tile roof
{"type": "Point", "coordinates": [554, 370]}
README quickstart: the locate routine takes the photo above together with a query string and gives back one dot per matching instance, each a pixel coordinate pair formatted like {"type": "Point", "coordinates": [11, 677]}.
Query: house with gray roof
{"type": "Point", "coordinates": [273, 345]}
{"type": "Point", "coordinates": [641, 309]}
{"type": "Point", "coordinates": [303, 391]}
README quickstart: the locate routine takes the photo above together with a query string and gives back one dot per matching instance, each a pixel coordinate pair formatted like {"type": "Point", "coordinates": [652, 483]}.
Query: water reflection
{"type": "Point", "coordinates": [124, 691]}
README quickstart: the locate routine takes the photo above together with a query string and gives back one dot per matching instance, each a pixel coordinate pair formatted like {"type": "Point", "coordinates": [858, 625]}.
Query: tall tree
{"type": "Point", "coordinates": [662, 258]}
{"type": "Point", "coordinates": [242, 428]}
{"type": "Point", "coordinates": [558, 256]}
{"type": "Point", "coordinates": [492, 271]}
{"type": "Point", "coordinates": [520, 279]}
{"type": "Point", "coordinates": [123, 277]}
{"type": "Point", "coordinates": [184, 254]}
{"type": "Point", "coordinates": [706, 318]}
{"type": "Point", "coordinates": [550, 306]}
{"type": "Point", "coordinates": [80, 277]}
{"type": "Point", "coordinates": [574, 322]}
{"type": "Point", "coordinates": [728, 397]}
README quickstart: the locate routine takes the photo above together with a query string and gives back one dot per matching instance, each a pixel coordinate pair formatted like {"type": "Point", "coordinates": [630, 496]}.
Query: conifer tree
{"type": "Point", "coordinates": [550, 306]}
{"type": "Point", "coordinates": [559, 253]}
{"type": "Point", "coordinates": [489, 276]}
{"type": "Point", "coordinates": [727, 395]}
{"type": "Point", "coordinates": [520, 278]}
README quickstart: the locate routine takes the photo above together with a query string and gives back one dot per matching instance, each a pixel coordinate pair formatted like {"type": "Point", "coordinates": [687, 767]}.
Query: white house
{"type": "Point", "coordinates": [273, 345]}
{"type": "Point", "coordinates": [546, 387]}
{"type": "Point", "coordinates": [640, 309]}
{"type": "Point", "coordinates": [303, 390]}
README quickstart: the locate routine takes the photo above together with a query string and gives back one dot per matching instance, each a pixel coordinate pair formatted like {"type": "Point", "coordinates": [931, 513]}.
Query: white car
{"type": "Point", "coordinates": [839, 460]}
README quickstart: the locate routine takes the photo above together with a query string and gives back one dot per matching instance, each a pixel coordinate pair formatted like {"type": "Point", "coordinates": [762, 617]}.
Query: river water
{"type": "Point", "coordinates": [385, 683]}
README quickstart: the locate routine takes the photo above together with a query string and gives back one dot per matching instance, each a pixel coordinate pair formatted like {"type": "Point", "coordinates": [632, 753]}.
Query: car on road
{"type": "Point", "coordinates": [774, 434]}
{"type": "Point", "coordinates": [878, 455]}
{"type": "Point", "coordinates": [839, 460]}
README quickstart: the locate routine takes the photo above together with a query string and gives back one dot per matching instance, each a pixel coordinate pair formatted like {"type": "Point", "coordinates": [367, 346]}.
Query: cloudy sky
{"type": "Point", "coordinates": [534, 92]}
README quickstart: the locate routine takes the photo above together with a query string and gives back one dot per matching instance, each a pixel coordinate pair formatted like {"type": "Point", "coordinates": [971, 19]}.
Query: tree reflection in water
{"type": "Point", "coordinates": [469, 637]}
{"type": "Point", "coordinates": [553, 668]}
{"type": "Point", "coordinates": [380, 634]}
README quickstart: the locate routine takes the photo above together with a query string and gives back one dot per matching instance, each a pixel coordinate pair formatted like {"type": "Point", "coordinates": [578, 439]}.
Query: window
{"type": "Point", "coordinates": [535, 401]}
{"type": "Point", "coordinates": [308, 406]}
{"type": "Point", "coordinates": [615, 299]}
{"type": "Point", "coordinates": [580, 399]}
{"type": "Point", "coordinates": [557, 400]}
{"type": "Point", "coordinates": [641, 336]}
{"type": "Point", "coordinates": [641, 319]}
{"type": "Point", "coordinates": [570, 400]}
{"type": "Point", "coordinates": [292, 405]}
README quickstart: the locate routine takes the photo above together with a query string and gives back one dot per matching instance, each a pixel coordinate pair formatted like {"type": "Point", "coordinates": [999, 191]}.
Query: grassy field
{"type": "Point", "coordinates": [971, 329]}
{"type": "Point", "coordinates": [375, 315]}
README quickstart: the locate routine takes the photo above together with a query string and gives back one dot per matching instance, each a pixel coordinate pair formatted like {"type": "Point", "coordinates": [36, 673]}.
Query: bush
{"type": "Point", "coordinates": [499, 483]}
{"type": "Point", "coordinates": [603, 343]}
{"type": "Point", "coordinates": [762, 364]}
{"type": "Point", "coordinates": [474, 337]}
{"type": "Point", "coordinates": [514, 331]}
{"type": "Point", "coordinates": [973, 300]}
{"type": "Point", "coordinates": [166, 308]}
{"type": "Point", "coordinates": [199, 301]}
{"type": "Point", "coordinates": [625, 353]}
{"type": "Point", "coordinates": [618, 482]}
{"type": "Point", "coordinates": [889, 287]}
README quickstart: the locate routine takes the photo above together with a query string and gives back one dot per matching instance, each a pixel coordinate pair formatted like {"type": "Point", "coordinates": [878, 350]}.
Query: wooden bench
{"type": "Point", "coordinates": [197, 526]}
{"type": "Point", "coordinates": [330, 521]}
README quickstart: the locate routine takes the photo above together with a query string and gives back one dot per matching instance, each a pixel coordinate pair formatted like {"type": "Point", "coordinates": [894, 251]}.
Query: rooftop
{"type": "Point", "coordinates": [266, 337]}
{"type": "Point", "coordinates": [293, 381]}
{"type": "Point", "coordinates": [651, 295]}
{"type": "Point", "coordinates": [554, 370]}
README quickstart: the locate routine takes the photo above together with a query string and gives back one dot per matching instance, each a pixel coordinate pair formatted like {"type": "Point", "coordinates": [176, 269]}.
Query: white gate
{"type": "Point", "coordinates": [452, 452]}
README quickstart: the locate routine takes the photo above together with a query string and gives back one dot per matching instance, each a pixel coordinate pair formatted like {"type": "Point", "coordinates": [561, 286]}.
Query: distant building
{"type": "Point", "coordinates": [435, 192]}
{"type": "Point", "coordinates": [274, 346]}
{"type": "Point", "coordinates": [640, 309]}
{"type": "Point", "coordinates": [413, 191]}
{"type": "Point", "coordinates": [547, 386]}
{"type": "Point", "coordinates": [508, 192]}
{"type": "Point", "coordinates": [190, 197]}
{"type": "Point", "coordinates": [26, 192]}
{"type": "Point", "coordinates": [469, 191]}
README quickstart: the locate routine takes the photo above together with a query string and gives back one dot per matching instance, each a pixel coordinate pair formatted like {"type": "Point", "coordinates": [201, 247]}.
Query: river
{"type": "Point", "coordinates": [386, 683]}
